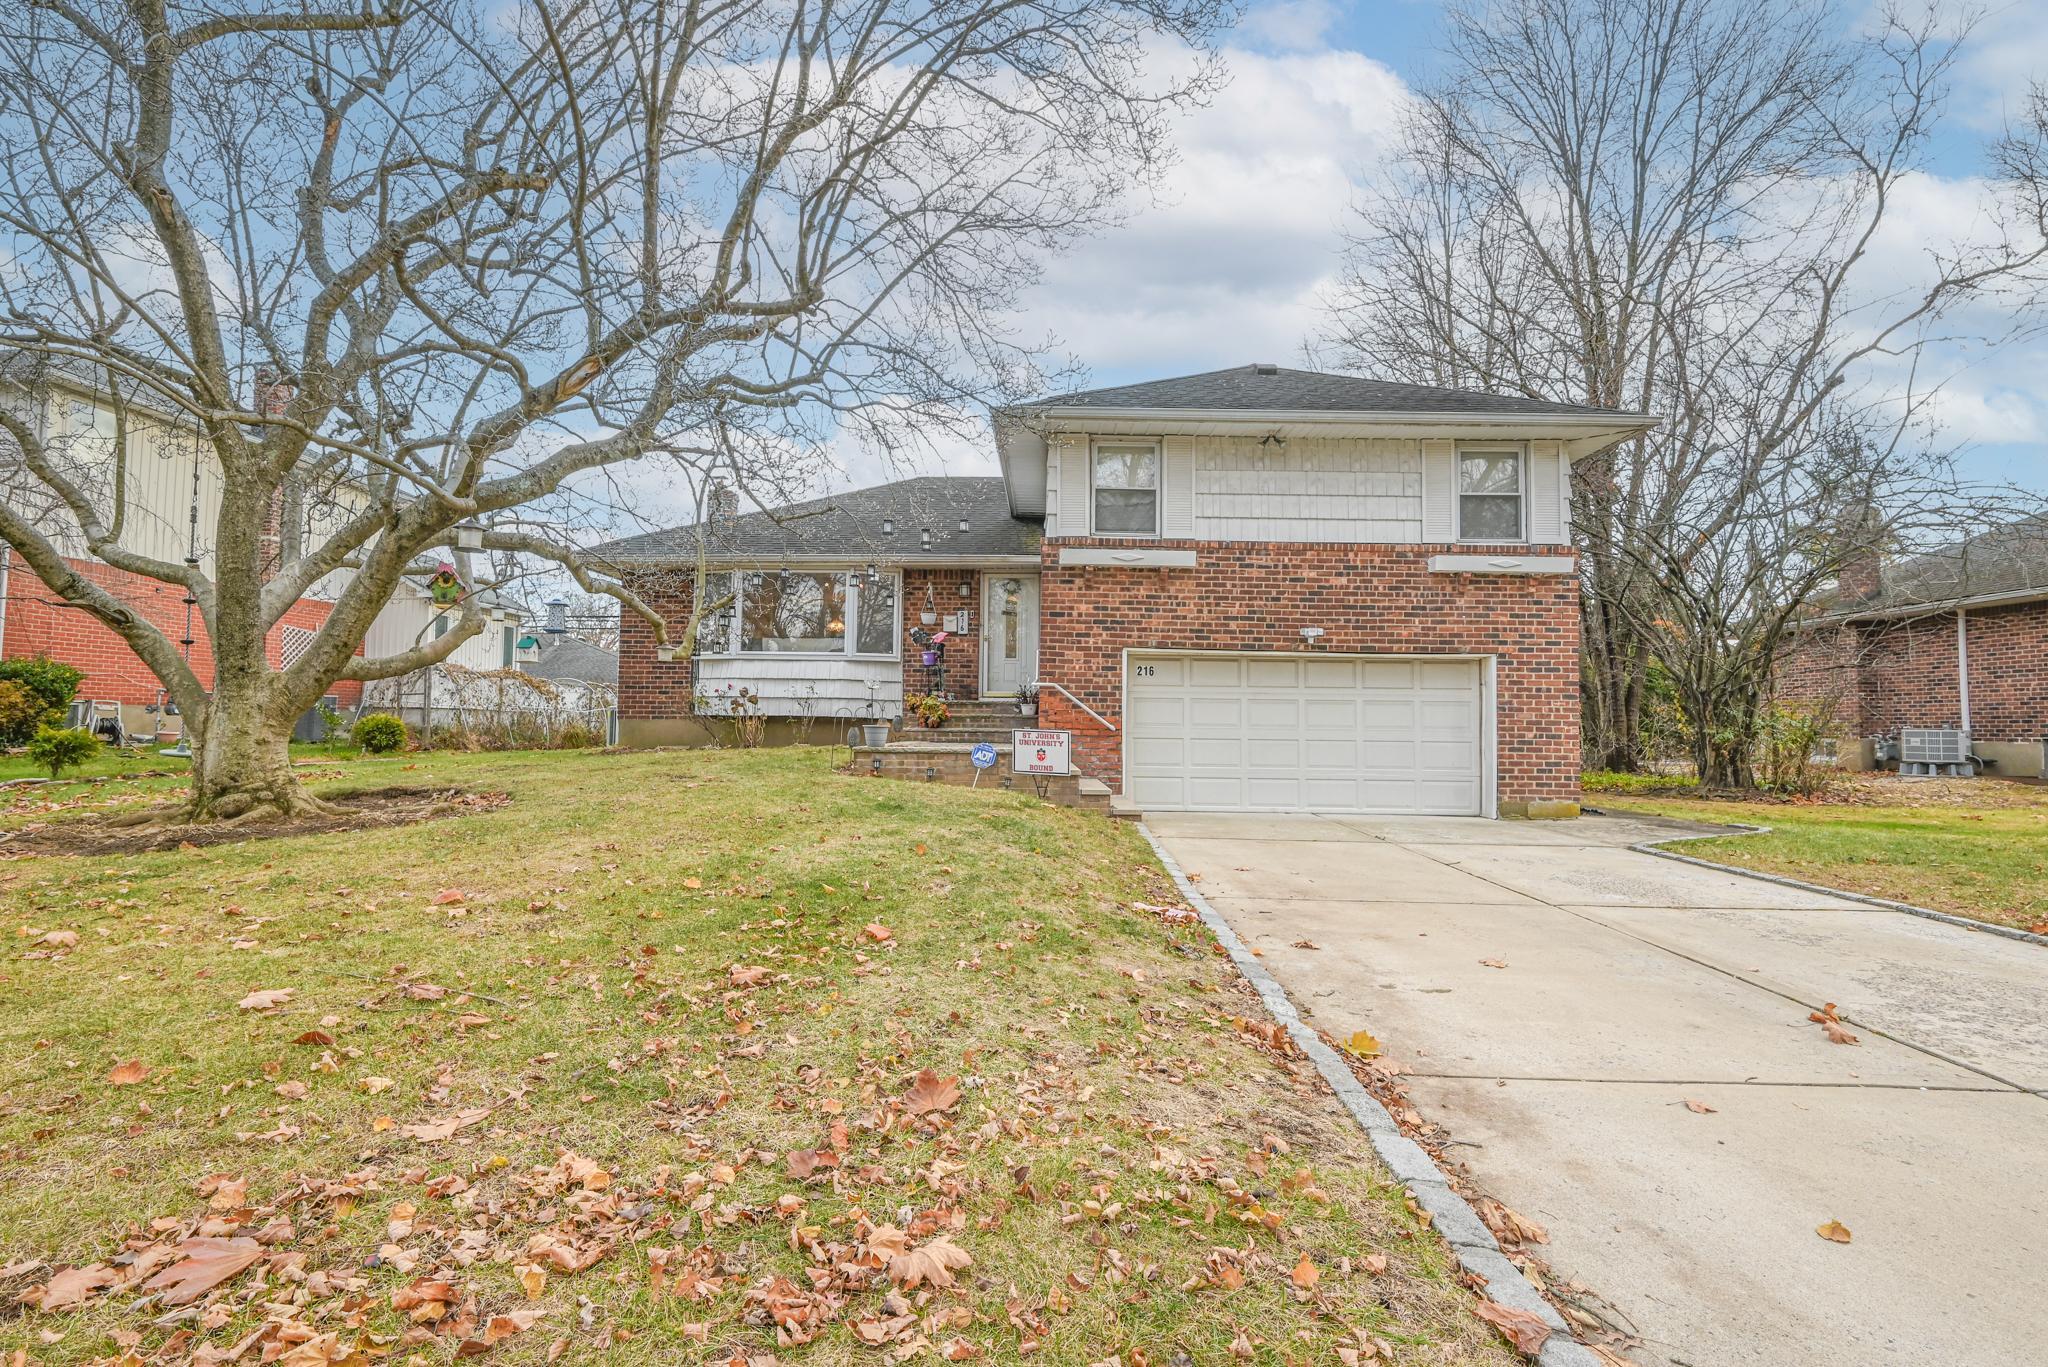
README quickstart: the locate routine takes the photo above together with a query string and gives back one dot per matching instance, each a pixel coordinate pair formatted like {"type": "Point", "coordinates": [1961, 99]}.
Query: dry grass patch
{"type": "Point", "coordinates": [676, 1056]}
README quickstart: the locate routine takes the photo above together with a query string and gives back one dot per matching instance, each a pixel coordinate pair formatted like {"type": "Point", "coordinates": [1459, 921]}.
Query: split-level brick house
{"type": "Point", "coordinates": [1955, 638]}
{"type": "Point", "coordinates": [1256, 589]}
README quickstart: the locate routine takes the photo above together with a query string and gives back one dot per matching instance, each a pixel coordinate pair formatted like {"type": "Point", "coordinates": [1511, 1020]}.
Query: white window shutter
{"type": "Point", "coordinates": [1439, 489]}
{"type": "Point", "coordinates": [1074, 485]}
{"type": "Point", "coordinates": [1546, 506]}
{"type": "Point", "coordinates": [1177, 492]}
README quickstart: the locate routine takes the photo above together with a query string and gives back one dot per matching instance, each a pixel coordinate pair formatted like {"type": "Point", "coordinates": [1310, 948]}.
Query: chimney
{"type": "Point", "coordinates": [723, 500]}
{"type": "Point", "coordinates": [273, 393]}
{"type": "Point", "coordinates": [1860, 575]}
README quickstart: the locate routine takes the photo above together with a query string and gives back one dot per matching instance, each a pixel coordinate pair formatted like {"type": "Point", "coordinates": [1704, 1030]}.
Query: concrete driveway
{"type": "Point", "coordinates": [1633, 984]}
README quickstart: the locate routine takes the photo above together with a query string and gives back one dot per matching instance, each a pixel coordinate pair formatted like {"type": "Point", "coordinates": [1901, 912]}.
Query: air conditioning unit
{"type": "Point", "coordinates": [1926, 751]}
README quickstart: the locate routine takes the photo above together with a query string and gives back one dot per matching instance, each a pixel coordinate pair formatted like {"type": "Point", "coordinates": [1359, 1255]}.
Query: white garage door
{"type": "Point", "coordinates": [1282, 733]}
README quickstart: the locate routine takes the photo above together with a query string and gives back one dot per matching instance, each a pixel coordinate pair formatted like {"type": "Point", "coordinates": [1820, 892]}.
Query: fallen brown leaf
{"type": "Point", "coordinates": [1834, 1231]}
{"type": "Point", "coordinates": [267, 999]}
{"type": "Point", "coordinates": [1305, 1274]}
{"type": "Point", "coordinates": [932, 1093]}
{"type": "Point", "coordinates": [129, 1073]}
{"type": "Point", "coordinates": [1698, 1107]}
{"type": "Point", "coordinates": [203, 1263]}
{"type": "Point", "coordinates": [427, 1131]}
{"type": "Point", "coordinates": [1527, 1332]}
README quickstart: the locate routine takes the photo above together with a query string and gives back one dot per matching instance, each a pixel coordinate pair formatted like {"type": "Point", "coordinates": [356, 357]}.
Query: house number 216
{"type": "Point", "coordinates": [1145, 671]}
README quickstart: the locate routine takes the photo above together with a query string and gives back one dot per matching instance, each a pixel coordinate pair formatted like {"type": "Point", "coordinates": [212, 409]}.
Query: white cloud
{"type": "Point", "coordinates": [1229, 265]}
{"type": "Point", "coordinates": [1289, 26]}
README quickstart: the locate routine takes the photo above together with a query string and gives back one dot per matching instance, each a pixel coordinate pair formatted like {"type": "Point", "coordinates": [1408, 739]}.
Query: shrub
{"type": "Point", "coordinates": [57, 750]}
{"type": "Point", "coordinates": [52, 682]}
{"type": "Point", "coordinates": [380, 733]}
{"type": "Point", "coordinates": [1602, 781]}
{"type": "Point", "coordinates": [21, 712]}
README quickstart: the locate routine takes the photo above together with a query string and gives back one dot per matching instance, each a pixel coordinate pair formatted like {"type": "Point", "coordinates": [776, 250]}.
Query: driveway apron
{"type": "Point", "coordinates": [1561, 997]}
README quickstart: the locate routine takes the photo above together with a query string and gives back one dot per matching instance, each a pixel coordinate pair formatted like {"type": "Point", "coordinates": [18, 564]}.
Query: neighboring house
{"type": "Point", "coordinates": [565, 659]}
{"type": "Point", "coordinates": [173, 494]}
{"type": "Point", "coordinates": [1256, 589]}
{"type": "Point", "coordinates": [1957, 638]}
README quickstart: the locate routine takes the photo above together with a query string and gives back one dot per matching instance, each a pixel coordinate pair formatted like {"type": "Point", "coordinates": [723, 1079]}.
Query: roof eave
{"type": "Point", "coordinates": [1896, 611]}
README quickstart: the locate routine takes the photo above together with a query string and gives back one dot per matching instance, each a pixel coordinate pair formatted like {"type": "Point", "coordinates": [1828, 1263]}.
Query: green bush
{"type": "Point", "coordinates": [58, 750]}
{"type": "Point", "coordinates": [53, 683]}
{"type": "Point", "coordinates": [380, 733]}
{"type": "Point", "coordinates": [21, 712]}
{"type": "Point", "coordinates": [1607, 782]}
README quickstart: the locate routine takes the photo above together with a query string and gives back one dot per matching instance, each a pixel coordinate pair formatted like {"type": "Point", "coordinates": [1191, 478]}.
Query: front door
{"type": "Point", "coordinates": [1009, 633]}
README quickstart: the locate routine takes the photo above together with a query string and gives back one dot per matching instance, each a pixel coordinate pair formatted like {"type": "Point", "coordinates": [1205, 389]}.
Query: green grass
{"type": "Point", "coordinates": [1118, 1137]}
{"type": "Point", "coordinates": [1989, 862]}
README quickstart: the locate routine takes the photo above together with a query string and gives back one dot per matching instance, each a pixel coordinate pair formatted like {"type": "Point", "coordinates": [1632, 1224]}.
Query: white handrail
{"type": "Point", "coordinates": [1048, 683]}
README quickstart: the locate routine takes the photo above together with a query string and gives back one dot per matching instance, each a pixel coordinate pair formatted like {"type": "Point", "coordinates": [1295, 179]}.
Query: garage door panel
{"type": "Point", "coordinates": [1205, 713]}
{"type": "Point", "coordinates": [1279, 733]}
{"type": "Point", "coordinates": [1330, 674]}
{"type": "Point", "coordinates": [1275, 673]}
{"type": "Point", "coordinates": [1208, 673]}
{"type": "Point", "coordinates": [1215, 752]}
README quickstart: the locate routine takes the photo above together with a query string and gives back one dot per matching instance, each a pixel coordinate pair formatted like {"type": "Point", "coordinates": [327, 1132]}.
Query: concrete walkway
{"type": "Point", "coordinates": [1634, 984]}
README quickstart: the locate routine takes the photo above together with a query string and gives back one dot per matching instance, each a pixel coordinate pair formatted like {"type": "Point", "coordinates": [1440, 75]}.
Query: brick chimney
{"type": "Point", "coordinates": [271, 395]}
{"type": "Point", "coordinates": [723, 500]}
{"type": "Point", "coordinates": [1860, 576]}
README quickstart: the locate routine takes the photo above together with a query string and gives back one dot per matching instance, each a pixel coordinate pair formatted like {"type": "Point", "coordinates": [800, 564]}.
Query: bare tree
{"type": "Point", "coordinates": [501, 251]}
{"type": "Point", "coordinates": [1671, 206]}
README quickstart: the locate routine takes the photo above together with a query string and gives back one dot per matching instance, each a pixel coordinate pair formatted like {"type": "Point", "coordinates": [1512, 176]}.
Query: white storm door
{"type": "Point", "coordinates": [1009, 633]}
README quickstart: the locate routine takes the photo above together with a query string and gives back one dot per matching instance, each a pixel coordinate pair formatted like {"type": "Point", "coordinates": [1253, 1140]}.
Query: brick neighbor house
{"type": "Point", "coordinates": [171, 484]}
{"type": "Point", "coordinates": [1256, 589]}
{"type": "Point", "coordinates": [1956, 638]}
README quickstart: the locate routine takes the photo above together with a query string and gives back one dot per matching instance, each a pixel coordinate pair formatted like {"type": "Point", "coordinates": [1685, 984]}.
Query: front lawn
{"type": "Point", "coordinates": [679, 1056]}
{"type": "Point", "coordinates": [1976, 847]}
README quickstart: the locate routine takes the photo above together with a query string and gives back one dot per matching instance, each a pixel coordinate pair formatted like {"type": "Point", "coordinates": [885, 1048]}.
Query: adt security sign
{"type": "Point", "coordinates": [983, 756]}
{"type": "Point", "coordinates": [1040, 752]}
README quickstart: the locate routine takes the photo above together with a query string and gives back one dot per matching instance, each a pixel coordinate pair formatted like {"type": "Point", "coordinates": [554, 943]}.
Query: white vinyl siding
{"type": "Point", "coordinates": [1307, 489]}
{"type": "Point", "coordinates": [1281, 733]}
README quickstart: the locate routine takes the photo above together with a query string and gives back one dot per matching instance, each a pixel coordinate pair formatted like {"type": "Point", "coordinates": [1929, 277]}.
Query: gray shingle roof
{"type": "Point", "coordinates": [1255, 388]}
{"type": "Point", "coordinates": [2007, 559]}
{"type": "Point", "coordinates": [573, 660]}
{"type": "Point", "coordinates": [849, 525]}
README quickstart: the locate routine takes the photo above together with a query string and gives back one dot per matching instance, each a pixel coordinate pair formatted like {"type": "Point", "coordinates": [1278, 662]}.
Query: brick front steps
{"type": "Point", "coordinates": [925, 761]}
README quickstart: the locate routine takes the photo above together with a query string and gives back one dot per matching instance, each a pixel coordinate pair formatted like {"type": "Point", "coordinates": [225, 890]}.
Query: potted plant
{"type": "Point", "coordinates": [1027, 700]}
{"type": "Point", "coordinates": [929, 616]}
{"type": "Point", "coordinates": [929, 708]}
{"type": "Point", "coordinates": [875, 734]}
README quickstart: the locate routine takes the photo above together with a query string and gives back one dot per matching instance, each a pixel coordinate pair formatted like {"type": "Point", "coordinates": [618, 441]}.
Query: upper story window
{"type": "Point", "coordinates": [1127, 489]}
{"type": "Point", "coordinates": [800, 612]}
{"type": "Point", "coordinates": [1491, 493]}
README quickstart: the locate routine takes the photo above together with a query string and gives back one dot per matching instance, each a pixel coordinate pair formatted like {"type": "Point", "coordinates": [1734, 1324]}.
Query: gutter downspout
{"type": "Point", "coordinates": [1963, 664]}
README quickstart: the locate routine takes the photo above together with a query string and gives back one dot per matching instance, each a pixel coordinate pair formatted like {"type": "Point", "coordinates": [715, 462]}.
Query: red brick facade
{"type": "Point", "coordinates": [40, 623]}
{"type": "Point", "coordinates": [1883, 675]}
{"type": "Point", "coordinates": [1366, 598]}
{"type": "Point", "coordinates": [1241, 596]}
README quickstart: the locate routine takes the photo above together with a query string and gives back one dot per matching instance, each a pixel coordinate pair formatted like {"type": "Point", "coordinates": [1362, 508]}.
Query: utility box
{"type": "Point", "coordinates": [1931, 752]}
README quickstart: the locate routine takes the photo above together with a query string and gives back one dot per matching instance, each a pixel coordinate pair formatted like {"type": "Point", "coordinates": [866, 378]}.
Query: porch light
{"type": "Point", "coordinates": [469, 536]}
{"type": "Point", "coordinates": [873, 573]}
{"type": "Point", "coordinates": [964, 590]}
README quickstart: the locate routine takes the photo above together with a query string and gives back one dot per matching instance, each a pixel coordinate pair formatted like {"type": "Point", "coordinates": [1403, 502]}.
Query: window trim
{"type": "Point", "coordinates": [852, 637]}
{"type": "Point", "coordinates": [1095, 444]}
{"type": "Point", "coordinates": [1520, 451]}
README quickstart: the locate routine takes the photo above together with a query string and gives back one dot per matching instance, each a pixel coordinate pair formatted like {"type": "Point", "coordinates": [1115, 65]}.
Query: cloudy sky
{"type": "Point", "coordinates": [1232, 264]}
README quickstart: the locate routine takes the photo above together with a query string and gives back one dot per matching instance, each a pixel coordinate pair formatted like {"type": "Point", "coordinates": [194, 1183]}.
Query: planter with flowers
{"type": "Point", "coordinates": [1027, 700]}
{"type": "Point", "coordinates": [930, 709]}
